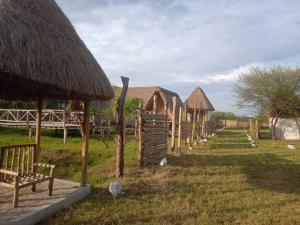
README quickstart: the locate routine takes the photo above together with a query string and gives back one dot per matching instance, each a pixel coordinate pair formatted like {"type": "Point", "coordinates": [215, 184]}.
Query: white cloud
{"type": "Point", "coordinates": [198, 42]}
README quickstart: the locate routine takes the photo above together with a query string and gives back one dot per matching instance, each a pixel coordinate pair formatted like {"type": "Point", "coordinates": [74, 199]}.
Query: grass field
{"type": "Point", "coordinates": [224, 181]}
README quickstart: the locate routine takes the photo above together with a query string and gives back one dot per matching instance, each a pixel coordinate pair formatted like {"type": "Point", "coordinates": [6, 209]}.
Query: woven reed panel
{"type": "Point", "coordinates": [154, 138]}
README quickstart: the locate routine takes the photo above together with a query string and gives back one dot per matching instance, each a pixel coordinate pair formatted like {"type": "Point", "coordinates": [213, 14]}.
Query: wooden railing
{"type": "Point", "coordinates": [50, 118]}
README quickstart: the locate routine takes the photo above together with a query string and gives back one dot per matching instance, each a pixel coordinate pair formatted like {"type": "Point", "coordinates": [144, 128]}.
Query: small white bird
{"type": "Point", "coordinates": [250, 139]}
{"type": "Point", "coordinates": [163, 162]}
{"type": "Point", "coordinates": [209, 136]}
{"type": "Point", "coordinates": [115, 188]}
{"type": "Point", "coordinates": [292, 147]}
{"type": "Point", "coordinates": [190, 147]}
{"type": "Point", "coordinates": [213, 134]}
{"type": "Point", "coordinates": [253, 145]}
{"type": "Point", "coordinates": [205, 140]}
{"type": "Point", "coordinates": [252, 142]}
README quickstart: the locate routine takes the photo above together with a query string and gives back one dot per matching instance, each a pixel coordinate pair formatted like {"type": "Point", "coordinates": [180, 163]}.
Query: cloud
{"type": "Point", "coordinates": [173, 42]}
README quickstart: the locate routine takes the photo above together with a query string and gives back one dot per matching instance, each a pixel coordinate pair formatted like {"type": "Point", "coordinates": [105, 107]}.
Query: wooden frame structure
{"type": "Point", "coordinates": [153, 137]}
{"type": "Point", "coordinates": [19, 169]}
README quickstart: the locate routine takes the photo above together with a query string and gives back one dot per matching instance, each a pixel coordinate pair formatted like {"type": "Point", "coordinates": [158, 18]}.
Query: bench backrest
{"type": "Point", "coordinates": [18, 158]}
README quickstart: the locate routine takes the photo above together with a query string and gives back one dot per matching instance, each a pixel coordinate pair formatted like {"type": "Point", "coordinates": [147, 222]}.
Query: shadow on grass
{"type": "Point", "coordinates": [265, 170]}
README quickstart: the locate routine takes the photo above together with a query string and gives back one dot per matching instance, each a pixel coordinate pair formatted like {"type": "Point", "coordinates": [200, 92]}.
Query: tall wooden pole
{"type": "Point", "coordinates": [141, 134]}
{"type": "Point", "coordinates": [155, 103]}
{"type": "Point", "coordinates": [194, 125]}
{"type": "Point", "coordinates": [179, 128]}
{"type": "Point", "coordinates": [120, 128]}
{"type": "Point", "coordinates": [85, 142]}
{"type": "Point", "coordinates": [38, 130]}
{"type": "Point", "coordinates": [174, 98]}
{"type": "Point", "coordinates": [203, 123]}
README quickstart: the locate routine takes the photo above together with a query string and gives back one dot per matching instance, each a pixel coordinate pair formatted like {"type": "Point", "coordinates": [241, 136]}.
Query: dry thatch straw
{"type": "Point", "coordinates": [199, 100]}
{"type": "Point", "coordinates": [41, 55]}
{"type": "Point", "coordinates": [147, 93]}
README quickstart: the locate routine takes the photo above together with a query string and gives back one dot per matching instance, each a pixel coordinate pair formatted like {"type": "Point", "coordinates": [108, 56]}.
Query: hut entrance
{"type": "Point", "coordinates": [153, 137]}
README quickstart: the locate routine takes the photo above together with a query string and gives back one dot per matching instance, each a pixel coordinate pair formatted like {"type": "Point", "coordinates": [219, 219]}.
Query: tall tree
{"type": "Point", "coordinates": [274, 92]}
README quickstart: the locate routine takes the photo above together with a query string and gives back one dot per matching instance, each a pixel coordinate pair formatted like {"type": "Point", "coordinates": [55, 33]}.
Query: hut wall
{"type": "Point", "coordinates": [287, 128]}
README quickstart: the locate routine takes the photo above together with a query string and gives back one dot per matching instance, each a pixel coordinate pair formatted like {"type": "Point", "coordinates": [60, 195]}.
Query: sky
{"type": "Point", "coordinates": [182, 44]}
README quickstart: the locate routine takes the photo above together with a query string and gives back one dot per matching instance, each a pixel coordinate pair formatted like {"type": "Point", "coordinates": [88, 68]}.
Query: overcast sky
{"type": "Point", "coordinates": [181, 44]}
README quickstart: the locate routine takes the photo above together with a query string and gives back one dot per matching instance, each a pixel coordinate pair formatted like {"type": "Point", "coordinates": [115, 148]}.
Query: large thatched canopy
{"type": "Point", "coordinates": [42, 57]}
{"type": "Point", "coordinates": [199, 100]}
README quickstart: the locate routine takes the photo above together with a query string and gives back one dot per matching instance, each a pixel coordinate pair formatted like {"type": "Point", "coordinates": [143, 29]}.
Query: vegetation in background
{"type": "Point", "coordinates": [218, 115]}
{"type": "Point", "coordinates": [274, 92]}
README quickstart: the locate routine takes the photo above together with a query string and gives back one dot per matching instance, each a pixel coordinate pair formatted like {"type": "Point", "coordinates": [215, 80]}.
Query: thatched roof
{"type": "Point", "coordinates": [199, 100]}
{"type": "Point", "coordinates": [41, 55]}
{"type": "Point", "coordinates": [146, 94]}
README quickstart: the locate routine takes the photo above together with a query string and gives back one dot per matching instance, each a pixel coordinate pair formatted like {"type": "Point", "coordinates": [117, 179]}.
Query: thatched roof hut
{"type": "Point", "coordinates": [41, 55]}
{"type": "Point", "coordinates": [199, 100]}
{"type": "Point", "coordinates": [164, 98]}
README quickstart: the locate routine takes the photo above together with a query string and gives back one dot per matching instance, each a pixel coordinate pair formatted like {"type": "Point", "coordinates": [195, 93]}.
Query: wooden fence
{"type": "Point", "coordinates": [153, 136]}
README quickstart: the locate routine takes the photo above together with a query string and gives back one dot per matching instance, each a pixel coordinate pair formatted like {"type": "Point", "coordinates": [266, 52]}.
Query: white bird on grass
{"type": "Point", "coordinates": [115, 188]}
{"type": "Point", "coordinates": [253, 145]}
{"type": "Point", "coordinates": [205, 140]}
{"type": "Point", "coordinates": [292, 147]}
{"type": "Point", "coordinates": [190, 147]}
{"type": "Point", "coordinates": [163, 162]}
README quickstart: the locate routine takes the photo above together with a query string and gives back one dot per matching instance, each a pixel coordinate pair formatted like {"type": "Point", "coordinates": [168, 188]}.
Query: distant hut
{"type": "Point", "coordinates": [163, 99]}
{"type": "Point", "coordinates": [42, 57]}
{"type": "Point", "coordinates": [199, 110]}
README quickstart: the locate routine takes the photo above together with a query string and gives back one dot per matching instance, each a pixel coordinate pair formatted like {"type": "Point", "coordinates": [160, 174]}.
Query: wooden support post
{"type": "Point", "coordinates": [179, 128]}
{"type": "Point", "coordinates": [155, 103]}
{"type": "Point", "coordinates": [120, 128]}
{"type": "Point", "coordinates": [85, 142]}
{"type": "Point", "coordinates": [174, 98]}
{"type": "Point", "coordinates": [203, 124]}
{"type": "Point", "coordinates": [65, 135]}
{"type": "Point", "coordinates": [193, 126]}
{"type": "Point", "coordinates": [30, 132]}
{"type": "Point", "coordinates": [38, 130]}
{"type": "Point", "coordinates": [141, 135]}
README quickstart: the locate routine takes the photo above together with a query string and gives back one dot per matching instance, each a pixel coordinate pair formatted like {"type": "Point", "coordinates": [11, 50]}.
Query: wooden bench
{"type": "Point", "coordinates": [18, 169]}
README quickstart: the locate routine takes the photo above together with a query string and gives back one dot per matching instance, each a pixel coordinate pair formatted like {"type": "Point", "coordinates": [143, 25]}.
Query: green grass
{"type": "Point", "coordinates": [224, 181]}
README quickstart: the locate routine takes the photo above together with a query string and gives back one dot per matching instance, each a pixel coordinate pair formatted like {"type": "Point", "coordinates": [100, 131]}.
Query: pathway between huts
{"type": "Point", "coordinates": [222, 182]}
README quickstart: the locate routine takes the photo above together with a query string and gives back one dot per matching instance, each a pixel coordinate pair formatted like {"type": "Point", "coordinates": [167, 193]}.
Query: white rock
{"type": "Point", "coordinates": [205, 140]}
{"type": "Point", "coordinates": [292, 147]}
{"type": "Point", "coordinates": [250, 139]}
{"type": "Point", "coordinates": [209, 136]}
{"type": "Point", "coordinates": [163, 162]}
{"type": "Point", "coordinates": [115, 188]}
{"type": "Point", "coordinates": [213, 134]}
{"type": "Point", "coordinates": [253, 145]}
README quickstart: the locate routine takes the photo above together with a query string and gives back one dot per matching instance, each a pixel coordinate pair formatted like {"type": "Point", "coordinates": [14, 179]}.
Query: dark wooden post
{"type": "Point", "coordinates": [120, 128]}
{"type": "Point", "coordinates": [38, 130]}
{"type": "Point", "coordinates": [85, 142]}
{"type": "Point", "coordinates": [141, 135]}
{"type": "Point", "coordinates": [174, 98]}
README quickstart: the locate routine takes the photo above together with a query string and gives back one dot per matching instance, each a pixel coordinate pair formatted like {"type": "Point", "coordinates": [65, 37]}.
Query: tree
{"type": "Point", "coordinates": [273, 92]}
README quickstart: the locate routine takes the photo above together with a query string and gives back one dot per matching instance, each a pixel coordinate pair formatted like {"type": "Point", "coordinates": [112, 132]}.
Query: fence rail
{"type": "Point", "coordinates": [50, 118]}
